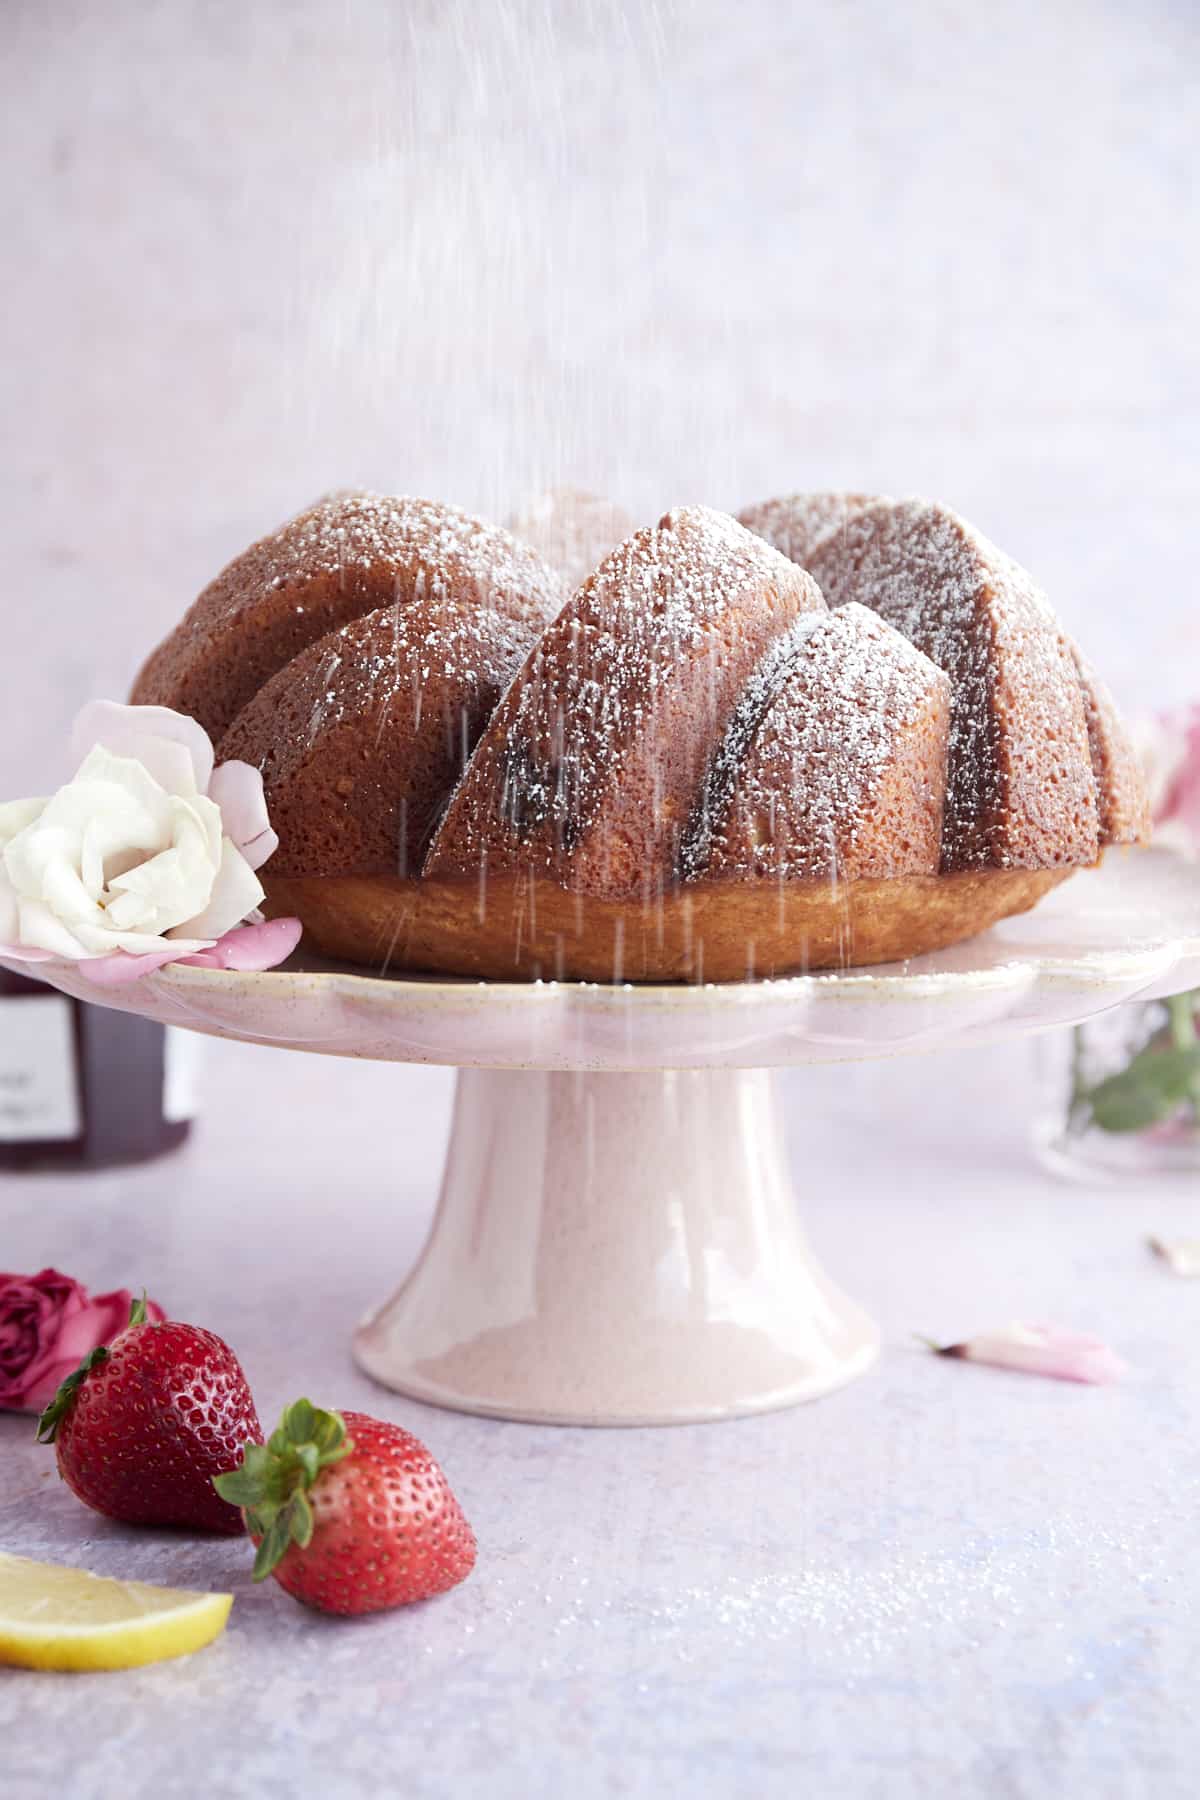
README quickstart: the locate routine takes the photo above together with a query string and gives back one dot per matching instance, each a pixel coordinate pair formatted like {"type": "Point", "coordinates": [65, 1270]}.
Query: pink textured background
{"type": "Point", "coordinates": [676, 252]}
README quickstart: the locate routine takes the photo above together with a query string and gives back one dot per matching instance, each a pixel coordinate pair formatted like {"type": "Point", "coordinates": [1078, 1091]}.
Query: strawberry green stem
{"type": "Point", "coordinates": [64, 1399]}
{"type": "Point", "coordinates": [274, 1480]}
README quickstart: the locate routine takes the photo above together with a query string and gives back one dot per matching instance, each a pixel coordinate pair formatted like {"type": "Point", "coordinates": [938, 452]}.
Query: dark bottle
{"type": "Point", "coordinates": [83, 1086]}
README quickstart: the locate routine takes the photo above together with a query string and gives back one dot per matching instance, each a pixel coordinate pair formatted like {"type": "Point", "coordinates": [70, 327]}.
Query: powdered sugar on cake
{"type": "Point", "coordinates": [798, 781]}
{"type": "Point", "coordinates": [595, 754]}
{"type": "Point", "coordinates": [796, 523]}
{"type": "Point", "coordinates": [1020, 791]}
{"type": "Point", "coordinates": [694, 712]}
{"type": "Point", "coordinates": [345, 557]}
{"type": "Point", "coordinates": [354, 529]}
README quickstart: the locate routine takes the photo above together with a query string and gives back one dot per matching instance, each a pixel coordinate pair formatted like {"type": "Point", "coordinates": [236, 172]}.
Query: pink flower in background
{"type": "Point", "coordinates": [1169, 748]}
{"type": "Point", "coordinates": [147, 856]}
{"type": "Point", "coordinates": [1040, 1350]}
{"type": "Point", "coordinates": [48, 1324]}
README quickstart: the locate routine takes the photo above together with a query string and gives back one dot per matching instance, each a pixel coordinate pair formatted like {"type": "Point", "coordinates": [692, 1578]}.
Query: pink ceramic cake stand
{"type": "Point", "coordinates": [617, 1240]}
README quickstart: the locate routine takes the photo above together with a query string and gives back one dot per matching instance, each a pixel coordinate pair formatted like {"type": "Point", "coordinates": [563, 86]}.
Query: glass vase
{"type": "Point", "coordinates": [1121, 1092]}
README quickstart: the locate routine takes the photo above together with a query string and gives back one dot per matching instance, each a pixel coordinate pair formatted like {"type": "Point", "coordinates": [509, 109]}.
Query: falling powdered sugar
{"type": "Point", "coordinates": [833, 765]}
{"type": "Point", "coordinates": [590, 768]}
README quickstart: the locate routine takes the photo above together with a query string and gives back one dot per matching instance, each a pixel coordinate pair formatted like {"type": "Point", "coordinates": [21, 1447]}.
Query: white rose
{"type": "Point", "coordinates": [147, 849]}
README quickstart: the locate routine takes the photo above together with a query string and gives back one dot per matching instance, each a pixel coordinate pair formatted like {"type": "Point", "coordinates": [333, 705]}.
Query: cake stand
{"type": "Point", "coordinates": [617, 1241]}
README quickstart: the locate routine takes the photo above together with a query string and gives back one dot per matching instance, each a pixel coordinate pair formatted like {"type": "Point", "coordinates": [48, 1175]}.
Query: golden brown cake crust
{"type": "Point", "coordinates": [842, 770]}
{"type": "Point", "coordinates": [522, 928]}
{"type": "Point", "coordinates": [348, 555]}
{"type": "Point", "coordinates": [1124, 811]}
{"type": "Point", "coordinates": [1020, 791]}
{"type": "Point", "coordinates": [363, 737]}
{"type": "Point", "coordinates": [694, 771]}
{"type": "Point", "coordinates": [796, 523]}
{"type": "Point", "coordinates": [590, 767]}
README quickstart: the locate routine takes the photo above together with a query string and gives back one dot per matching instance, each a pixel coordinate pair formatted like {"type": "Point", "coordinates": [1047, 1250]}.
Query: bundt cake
{"type": "Point", "coordinates": [587, 772]}
{"type": "Point", "coordinates": [348, 555]}
{"type": "Point", "coordinates": [833, 767]}
{"type": "Point", "coordinates": [844, 729]}
{"type": "Point", "coordinates": [362, 736]}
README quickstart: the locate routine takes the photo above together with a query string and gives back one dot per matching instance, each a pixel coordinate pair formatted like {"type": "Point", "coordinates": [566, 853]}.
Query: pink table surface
{"type": "Point", "coordinates": [941, 1580]}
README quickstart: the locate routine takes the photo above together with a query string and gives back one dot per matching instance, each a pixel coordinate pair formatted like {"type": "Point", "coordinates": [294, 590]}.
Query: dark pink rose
{"type": "Point", "coordinates": [48, 1323]}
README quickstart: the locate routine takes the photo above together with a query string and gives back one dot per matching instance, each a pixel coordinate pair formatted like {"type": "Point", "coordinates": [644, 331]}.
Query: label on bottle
{"type": "Point", "coordinates": [39, 1084]}
{"type": "Point", "coordinates": [181, 1063]}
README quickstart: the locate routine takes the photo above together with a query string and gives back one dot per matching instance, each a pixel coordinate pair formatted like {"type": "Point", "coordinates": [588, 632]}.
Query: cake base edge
{"type": "Point", "coordinates": [519, 928]}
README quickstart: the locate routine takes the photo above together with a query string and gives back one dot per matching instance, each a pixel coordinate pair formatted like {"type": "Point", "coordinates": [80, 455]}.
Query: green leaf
{"type": "Point", "coordinates": [279, 1443]}
{"type": "Point", "coordinates": [309, 1458]}
{"type": "Point", "coordinates": [276, 1539]}
{"type": "Point", "coordinates": [302, 1519]}
{"type": "Point", "coordinates": [1153, 1086]}
{"type": "Point", "coordinates": [239, 1487]}
{"type": "Point", "coordinates": [1181, 1018]}
{"type": "Point", "coordinates": [293, 1524]}
{"type": "Point", "coordinates": [273, 1479]}
{"type": "Point", "coordinates": [329, 1435]}
{"type": "Point", "coordinates": [64, 1399]}
{"type": "Point", "coordinates": [299, 1421]}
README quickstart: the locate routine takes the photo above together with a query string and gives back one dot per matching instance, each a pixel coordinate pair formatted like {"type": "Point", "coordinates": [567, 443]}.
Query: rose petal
{"type": "Point", "coordinates": [235, 893]}
{"type": "Point", "coordinates": [251, 948]}
{"type": "Point", "coordinates": [1168, 747]}
{"type": "Point", "coordinates": [108, 723]}
{"type": "Point", "coordinates": [15, 815]}
{"type": "Point", "coordinates": [39, 931]}
{"type": "Point", "coordinates": [119, 969]}
{"type": "Point", "coordinates": [160, 893]}
{"type": "Point", "coordinates": [237, 788]}
{"type": "Point", "coordinates": [48, 1324]}
{"type": "Point", "coordinates": [10, 912]}
{"type": "Point", "coordinates": [98, 1321]}
{"type": "Point", "coordinates": [1180, 815]}
{"type": "Point", "coordinates": [1042, 1350]}
{"type": "Point", "coordinates": [131, 865]}
{"type": "Point", "coordinates": [1181, 1255]}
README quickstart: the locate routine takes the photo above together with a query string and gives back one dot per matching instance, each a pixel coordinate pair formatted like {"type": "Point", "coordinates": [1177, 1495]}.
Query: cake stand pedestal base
{"type": "Point", "coordinates": [616, 1249]}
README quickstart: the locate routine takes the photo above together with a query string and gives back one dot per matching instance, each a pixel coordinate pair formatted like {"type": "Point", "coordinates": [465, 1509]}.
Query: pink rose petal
{"type": "Point", "coordinates": [1180, 806]}
{"type": "Point", "coordinates": [237, 788]}
{"type": "Point", "coordinates": [121, 728]}
{"type": "Point", "coordinates": [1041, 1350]}
{"type": "Point", "coordinates": [48, 1324]}
{"type": "Point", "coordinates": [247, 948]}
{"type": "Point", "coordinates": [119, 969]}
{"type": "Point", "coordinates": [250, 948]}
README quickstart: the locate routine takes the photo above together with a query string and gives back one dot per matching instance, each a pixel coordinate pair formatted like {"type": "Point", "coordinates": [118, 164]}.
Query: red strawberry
{"type": "Point", "coordinates": [144, 1424]}
{"type": "Point", "coordinates": [350, 1524]}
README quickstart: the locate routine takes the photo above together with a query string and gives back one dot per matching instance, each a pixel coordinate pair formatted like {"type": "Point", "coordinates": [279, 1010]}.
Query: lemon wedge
{"type": "Point", "coordinates": [54, 1617]}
